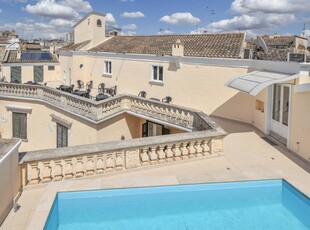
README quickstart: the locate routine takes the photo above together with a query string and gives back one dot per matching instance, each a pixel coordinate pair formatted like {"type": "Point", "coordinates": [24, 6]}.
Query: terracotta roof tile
{"type": "Point", "coordinates": [74, 47]}
{"type": "Point", "coordinates": [201, 45]}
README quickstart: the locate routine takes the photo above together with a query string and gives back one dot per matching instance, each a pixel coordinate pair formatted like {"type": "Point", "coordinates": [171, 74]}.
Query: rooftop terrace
{"type": "Point", "coordinates": [247, 157]}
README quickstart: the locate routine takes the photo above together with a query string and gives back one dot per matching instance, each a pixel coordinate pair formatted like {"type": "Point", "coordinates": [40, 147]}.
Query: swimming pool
{"type": "Point", "coordinates": [272, 204]}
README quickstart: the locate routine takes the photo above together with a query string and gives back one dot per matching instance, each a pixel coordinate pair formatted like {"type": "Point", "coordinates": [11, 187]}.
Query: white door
{"type": "Point", "coordinates": [279, 126]}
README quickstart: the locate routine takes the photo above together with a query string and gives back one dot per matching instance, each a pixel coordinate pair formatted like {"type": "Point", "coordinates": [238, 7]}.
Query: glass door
{"type": "Point", "coordinates": [280, 112]}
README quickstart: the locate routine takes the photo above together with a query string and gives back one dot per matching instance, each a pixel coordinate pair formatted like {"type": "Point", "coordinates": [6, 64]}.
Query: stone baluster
{"type": "Point", "coordinates": [161, 154]}
{"type": "Point", "coordinates": [79, 167]}
{"type": "Point", "coordinates": [119, 161]}
{"type": "Point", "coordinates": [205, 147]}
{"type": "Point", "coordinates": [100, 164]}
{"type": "Point", "coordinates": [176, 148]}
{"type": "Point", "coordinates": [46, 172]}
{"type": "Point", "coordinates": [90, 165]}
{"type": "Point", "coordinates": [34, 173]}
{"type": "Point", "coordinates": [144, 157]}
{"type": "Point", "coordinates": [184, 151]}
{"type": "Point", "coordinates": [153, 155]}
{"type": "Point", "coordinates": [169, 152]}
{"type": "Point", "coordinates": [57, 170]}
{"type": "Point", "coordinates": [198, 148]}
{"type": "Point", "coordinates": [110, 163]}
{"type": "Point", "coordinates": [191, 150]}
{"type": "Point", "coordinates": [68, 172]}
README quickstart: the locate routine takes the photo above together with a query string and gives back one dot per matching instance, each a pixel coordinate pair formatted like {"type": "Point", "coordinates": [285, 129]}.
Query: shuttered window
{"type": "Point", "coordinates": [16, 74]}
{"type": "Point", "coordinates": [38, 74]}
{"type": "Point", "coordinates": [62, 136]}
{"type": "Point", "coordinates": [19, 125]}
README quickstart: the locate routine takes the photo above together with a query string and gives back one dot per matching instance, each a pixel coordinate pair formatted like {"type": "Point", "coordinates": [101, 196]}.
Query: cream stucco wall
{"type": "Point", "coordinates": [259, 109]}
{"type": "Point", "coordinates": [87, 29]}
{"type": "Point", "coordinates": [10, 183]}
{"type": "Point", "coordinates": [42, 130]}
{"type": "Point", "coordinates": [300, 125]}
{"type": "Point", "coordinates": [27, 72]}
{"type": "Point", "coordinates": [195, 86]}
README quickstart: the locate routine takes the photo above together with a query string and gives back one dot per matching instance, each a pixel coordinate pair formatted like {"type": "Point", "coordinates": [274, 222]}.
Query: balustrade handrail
{"type": "Point", "coordinates": [97, 111]}
{"type": "Point", "coordinates": [114, 146]}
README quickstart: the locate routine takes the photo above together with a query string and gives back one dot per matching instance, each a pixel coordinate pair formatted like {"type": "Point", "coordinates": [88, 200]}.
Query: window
{"type": "Point", "coordinates": [19, 125]}
{"type": "Point", "coordinates": [16, 74]}
{"type": "Point", "coordinates": [51, 67]}
{"type": "Point", "coordinates": [150, 129]}
{"type": "Point", "coordinates": [107, 67]}
{"type": "Point", "coordinates": [99, 23]}
{"type": "Point", "coordinates": [157, 73]}
{"type": "Point", "coordinates": [62, 136]}
{"type": "Point", "coordinates": [38, 74]}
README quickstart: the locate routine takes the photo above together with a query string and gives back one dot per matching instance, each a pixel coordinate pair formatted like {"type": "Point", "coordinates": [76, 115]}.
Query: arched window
{"type": "Point", "coordinates": [99, 24]}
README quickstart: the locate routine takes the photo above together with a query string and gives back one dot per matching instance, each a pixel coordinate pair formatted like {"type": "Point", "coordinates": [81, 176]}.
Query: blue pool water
{"type": "Point", "coordinates": [273, 204]}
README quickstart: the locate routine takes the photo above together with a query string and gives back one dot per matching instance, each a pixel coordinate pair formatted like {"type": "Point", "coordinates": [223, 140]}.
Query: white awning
{"type": "Point", "coordinates": [254, 82]}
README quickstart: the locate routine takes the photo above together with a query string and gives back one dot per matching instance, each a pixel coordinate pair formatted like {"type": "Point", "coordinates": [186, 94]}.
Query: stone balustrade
{"type": "Point", "coordinates": [79, 161]}
{"type": "Point", "coordinates": [98, 111]}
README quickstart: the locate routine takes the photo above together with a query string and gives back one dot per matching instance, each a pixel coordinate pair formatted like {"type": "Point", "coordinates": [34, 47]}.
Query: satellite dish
{"type": "Point", "coordinates": [262, 43]}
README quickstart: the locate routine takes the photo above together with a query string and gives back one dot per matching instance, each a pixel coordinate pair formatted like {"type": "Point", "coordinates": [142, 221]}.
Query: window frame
{"type": "Point", "coordinates": [157, 77]}
{"type": "Point", "coordinates": [147, 129]}
{"type": "Point", "coordinates": [21, 135]}
{"type": "Point", "coordinates": [64, 142]}
{"type": "Point", "coordinates": [107, 68]}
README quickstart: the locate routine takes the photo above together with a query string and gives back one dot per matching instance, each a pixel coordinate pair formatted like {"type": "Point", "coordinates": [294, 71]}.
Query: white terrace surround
{"type": "Point", "coordinates": [203, 137]}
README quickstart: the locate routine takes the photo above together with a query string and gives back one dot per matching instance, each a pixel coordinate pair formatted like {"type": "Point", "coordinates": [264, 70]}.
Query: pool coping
{"type": "Point", "coordinates": [42, 212]}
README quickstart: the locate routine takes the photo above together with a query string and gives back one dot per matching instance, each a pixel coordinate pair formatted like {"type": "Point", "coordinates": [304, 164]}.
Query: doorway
{"type": "Point", "coordinates": [280, 112]}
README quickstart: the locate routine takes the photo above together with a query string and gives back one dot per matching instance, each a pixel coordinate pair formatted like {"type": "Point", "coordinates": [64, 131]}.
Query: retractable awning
{"type": "Point", "coordinates": [252, 83]}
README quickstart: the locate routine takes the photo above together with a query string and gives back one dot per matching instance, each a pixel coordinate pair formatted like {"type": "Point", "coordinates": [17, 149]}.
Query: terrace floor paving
{"type": "Point", "coordinates": [247, 156]}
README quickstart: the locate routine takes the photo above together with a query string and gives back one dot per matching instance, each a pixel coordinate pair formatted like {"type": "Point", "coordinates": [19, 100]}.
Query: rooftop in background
{"type": "Point", "coordinates": [279, 47]}
{"type": "Point", "coordinates": [6, 145]}
{"type": "Point", "coordinates": [198, 45]}
{"type": "Point", "coordinates": [30, 57]}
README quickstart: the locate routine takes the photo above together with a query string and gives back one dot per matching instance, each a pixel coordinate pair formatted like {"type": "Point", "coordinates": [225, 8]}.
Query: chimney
{"type": "Point", "coordinates": [178, 49]}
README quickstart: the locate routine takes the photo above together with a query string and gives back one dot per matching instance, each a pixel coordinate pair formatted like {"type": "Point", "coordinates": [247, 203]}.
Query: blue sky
{"type": "Point", "coordinates": [54, 18]}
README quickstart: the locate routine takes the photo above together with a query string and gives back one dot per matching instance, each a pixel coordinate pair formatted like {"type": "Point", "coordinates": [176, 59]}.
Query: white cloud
{"type": "Point", "coordinates": [165, 31]}
{"type": "Point", "coordinates": [259, 17]}
{"type": "Point", "coordinates": [137, 14]}
{"type": "Point", "coordinates": [180, 18]}
{"type": "Point", "coordinates": [64, 9]}
{"type": "Point", "coordinates": [130, 27]}
{"type": "Point", "coordinates": [128, 33]}
{"type": "Point", "coordinates": [110, 20]}
{"type": "Point", "coordinates": [270, 6]}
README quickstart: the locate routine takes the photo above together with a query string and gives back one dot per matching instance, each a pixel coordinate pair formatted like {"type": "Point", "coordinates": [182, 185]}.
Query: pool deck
{"type": "Point", "coordinates": [247, 157]}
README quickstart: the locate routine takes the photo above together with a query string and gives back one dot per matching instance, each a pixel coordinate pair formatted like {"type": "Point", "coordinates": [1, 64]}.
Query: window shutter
{"type": "Point", "coordinates": [62, 136]}
{"type": "Point", "coordinates": [59, 136]}
{"type": "Point", "coordinates": [144, 130]}
{"type": "Point", "coordinates": [38, 74]}
{"type": "Point", "coordinates": [16, 74]}
{"type": "Point", "coordinates": [23, 126]}
{"type": "Point", "coordinates": [16, 123]}
{"type": "Point", "coordinates": [160, 73]}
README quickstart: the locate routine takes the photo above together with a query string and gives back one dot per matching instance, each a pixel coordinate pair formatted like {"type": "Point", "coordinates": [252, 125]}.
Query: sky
{"type": "Point", "coordinates": [52, 19]}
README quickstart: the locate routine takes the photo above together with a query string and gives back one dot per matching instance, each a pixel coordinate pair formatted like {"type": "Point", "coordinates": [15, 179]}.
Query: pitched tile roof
{"type": "Point", "coordinates": [198, 45]}
{"type": "Point", "coordinates": [74, 47]}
